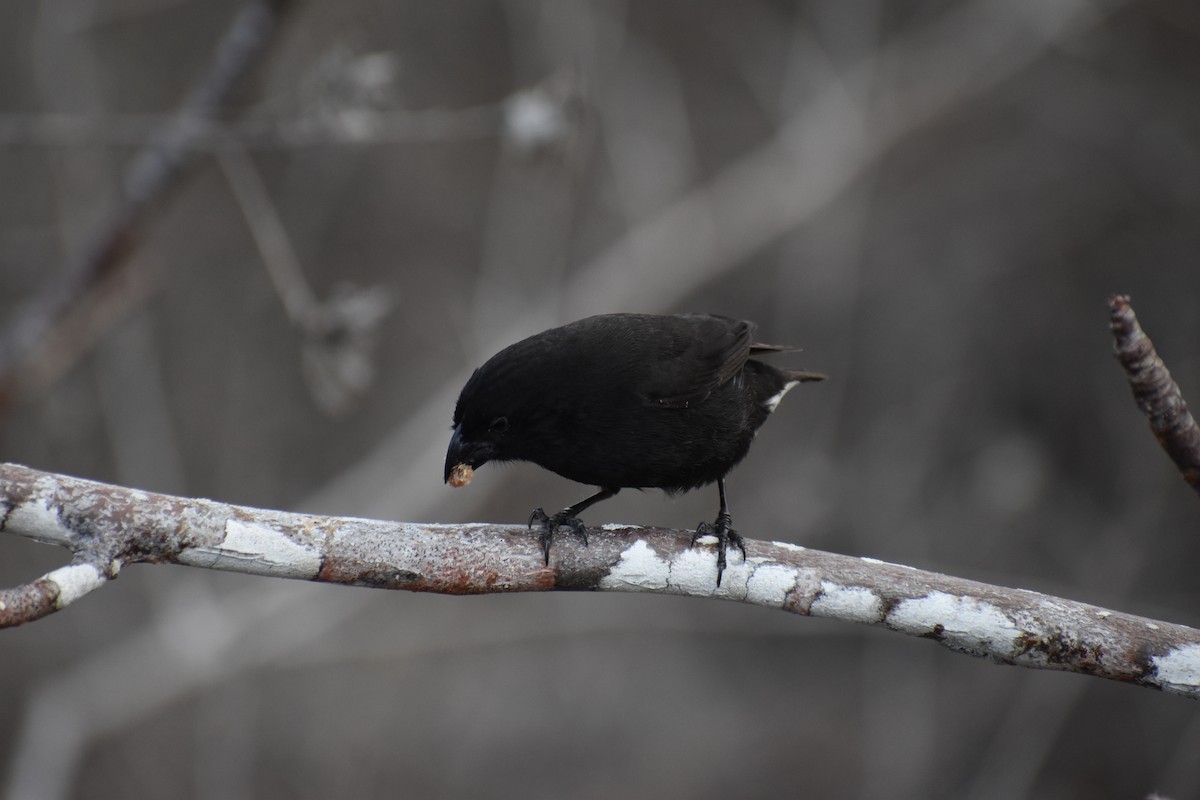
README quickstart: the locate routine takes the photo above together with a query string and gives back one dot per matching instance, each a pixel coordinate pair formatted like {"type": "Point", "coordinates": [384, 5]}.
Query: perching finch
{"type": "Point", "coordinates": [623, 400]}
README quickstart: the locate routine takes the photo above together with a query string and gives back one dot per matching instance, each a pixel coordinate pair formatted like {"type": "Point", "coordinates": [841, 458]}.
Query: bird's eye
{"type": "Point", "coordinates": [499, 425]}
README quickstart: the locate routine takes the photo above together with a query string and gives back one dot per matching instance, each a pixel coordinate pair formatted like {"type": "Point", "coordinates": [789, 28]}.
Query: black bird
{"type": "Point", "coordinates": [623, 400]}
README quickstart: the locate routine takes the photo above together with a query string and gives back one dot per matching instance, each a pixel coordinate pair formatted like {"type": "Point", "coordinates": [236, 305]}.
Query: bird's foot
{"type": "Point", "coordinates": [722, 528]}
{"type": "Point", "coordinates": [549, 523]}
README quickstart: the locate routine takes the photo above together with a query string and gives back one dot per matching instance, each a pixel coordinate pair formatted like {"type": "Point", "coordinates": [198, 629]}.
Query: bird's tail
{"type": "Point", "coordinates": [801, 375]}
{"type": "Point", "coordinates": [804, 376]}
{"type": "Point", "coordinates": [762, 348]}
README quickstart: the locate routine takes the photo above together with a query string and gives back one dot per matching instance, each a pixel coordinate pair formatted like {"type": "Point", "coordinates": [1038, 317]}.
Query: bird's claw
{"type": "Point", "coordinates": [550, 523]}
{"type": "Point", "coordinates": [726, 536]}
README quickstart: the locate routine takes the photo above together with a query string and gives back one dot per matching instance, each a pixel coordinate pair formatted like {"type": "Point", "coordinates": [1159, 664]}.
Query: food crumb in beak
{"type": "Point", "coordinates": [461, 475]}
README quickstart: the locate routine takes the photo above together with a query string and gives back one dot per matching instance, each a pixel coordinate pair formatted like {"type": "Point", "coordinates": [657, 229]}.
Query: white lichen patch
{"type": "Point", "coordinates": [795, 548]}
{"type": "Point", "coordinates": [37, 521]}
{"type": "Point", "coordinates": [769, 584]}
{"type": "Point", "coordinates": [851, 603]}
{"type": "Point", "coordinates": [617, 526]}
{"type": "Point", "coordinates": [694, 571]}
{"type": "Point", "coordinates": [1178, 670]}
{"type": "Point", "coordinates": [74, 581]}
{"type": "Point", "coordinates": [639, 568]}
{"type": "Point", "coordinates": [962, 623]}
{"type": "Point", "coordinates": [258, 550]}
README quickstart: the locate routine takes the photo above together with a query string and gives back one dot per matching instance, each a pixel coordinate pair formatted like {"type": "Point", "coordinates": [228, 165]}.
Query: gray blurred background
{"type": "Point", "coordinates": [933, 199]}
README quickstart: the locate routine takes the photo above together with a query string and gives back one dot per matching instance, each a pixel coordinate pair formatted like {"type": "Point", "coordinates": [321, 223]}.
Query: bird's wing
{"type": "Point", "coordinates": [695, 355]}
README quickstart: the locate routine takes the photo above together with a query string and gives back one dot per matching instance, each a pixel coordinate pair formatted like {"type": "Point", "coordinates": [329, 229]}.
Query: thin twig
{"type": "Point", "coordinates": [108, 527]}
{"type": "Point", "coordinates": [1156, 393]}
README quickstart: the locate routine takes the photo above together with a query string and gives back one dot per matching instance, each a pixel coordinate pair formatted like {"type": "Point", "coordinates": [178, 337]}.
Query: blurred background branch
{"type": "Point", "coordinates": [84, 290]}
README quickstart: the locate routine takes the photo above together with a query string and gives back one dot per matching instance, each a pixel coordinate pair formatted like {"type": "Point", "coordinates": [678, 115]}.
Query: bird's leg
{"type": "Point", "coordinates": [722, 528]}
{"type": "Point", "coordinates": [569, 517]}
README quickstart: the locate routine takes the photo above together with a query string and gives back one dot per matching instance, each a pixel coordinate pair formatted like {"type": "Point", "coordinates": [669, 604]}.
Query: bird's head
{"type": "Point", "coordinates": [512, 408]}
{"type": "Point", "coordinates": [475, 444]}
{"type": "Point", "coordinates": [482, 430]}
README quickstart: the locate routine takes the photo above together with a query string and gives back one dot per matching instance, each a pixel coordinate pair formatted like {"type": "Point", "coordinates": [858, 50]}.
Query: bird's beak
{"type": "Point", "coordinates": [462, 451]}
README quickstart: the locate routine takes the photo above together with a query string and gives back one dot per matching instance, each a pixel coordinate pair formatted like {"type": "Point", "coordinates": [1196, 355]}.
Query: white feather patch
{"type": "Point", "coordinates": [774, 399]}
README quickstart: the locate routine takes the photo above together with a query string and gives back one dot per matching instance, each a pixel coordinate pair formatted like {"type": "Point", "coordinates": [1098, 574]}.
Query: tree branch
{"type": "Point", "coordinates": [1156, 393]}
{"type": "Point", "coordinates": [107, 527]}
